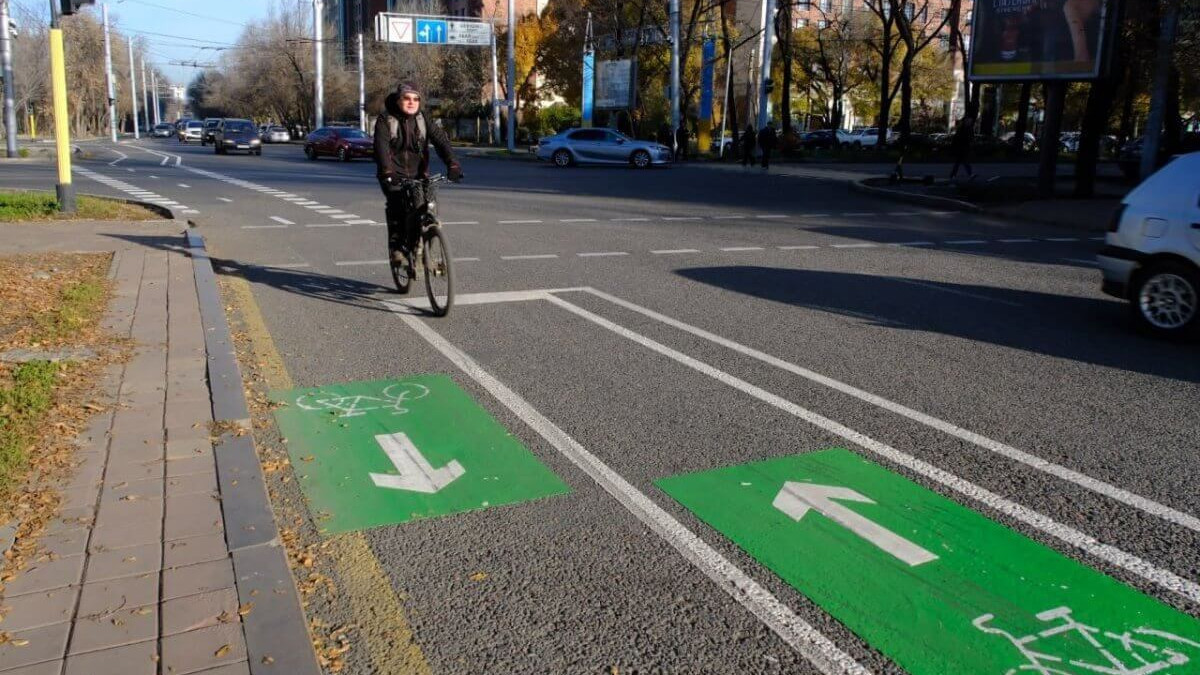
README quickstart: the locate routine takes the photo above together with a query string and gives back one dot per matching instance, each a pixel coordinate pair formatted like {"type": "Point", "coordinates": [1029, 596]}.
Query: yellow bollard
{"type": "Point", "coordinates": [62, 129]}
{"type": "Point", "coordinates": [704, 138]}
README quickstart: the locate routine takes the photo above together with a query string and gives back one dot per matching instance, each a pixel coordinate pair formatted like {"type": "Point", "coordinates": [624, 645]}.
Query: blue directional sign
{"type": "Point", "coordinates": [431, 31]}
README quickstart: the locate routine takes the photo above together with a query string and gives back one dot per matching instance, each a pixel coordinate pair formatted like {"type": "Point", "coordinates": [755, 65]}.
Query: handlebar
{"type": "Point", "coordinates": [435, 178]}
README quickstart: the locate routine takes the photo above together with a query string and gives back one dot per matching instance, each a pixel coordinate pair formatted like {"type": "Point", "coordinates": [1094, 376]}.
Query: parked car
{"type": "Point", "coordinates": [826, 138]}
{"type": "Point", "coordinates": [345, 143]}
{"type": "Point", "coordinates": [868, 138]}
{"type": "Point", "coordinates": [210, 126]}
{"type": "Point", "coordinates": [276, 135]}
{"type": "Point", "coordinates": [600, 146]}
{"type": "Point", "coordinates": [192, 131]}
{"type": "Point", "coordinates": [1129, 157]}
{"type": "Point", "coordinates": [1151, 255]}
{"type": "Point", "coordinates": [1030, 141]}
{"type": "Point", "coordinates": [161, 130]}
{"type": "Point", "coordinates": [236, 134]}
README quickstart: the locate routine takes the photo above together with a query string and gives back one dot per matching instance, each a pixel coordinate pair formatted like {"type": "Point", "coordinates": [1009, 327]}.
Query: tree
{"type": "Point", "coordinates": [838, 53]}
{"type": "Point", "coordinates": [917, 29]}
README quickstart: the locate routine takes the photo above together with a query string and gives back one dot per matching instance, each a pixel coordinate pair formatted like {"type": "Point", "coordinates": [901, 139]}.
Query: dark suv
{"type": "Point", "coordinates": [235, 134]}
{"type": "Point", "coordinates": [210, 126]}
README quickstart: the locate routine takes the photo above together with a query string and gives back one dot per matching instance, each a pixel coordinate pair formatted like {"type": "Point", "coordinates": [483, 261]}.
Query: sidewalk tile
{"type": "Point", "coordinates": [39, 609]}
{"type": "Point", "coordinates": [188, 432]}
{"type": "Point", "coordinates": [126, 449]}
{"type": "Point", "coordinates": [198, 650]}
{"type": "Point", "coordinates": [115, 594]}
{"type": "Point", "coordinates": [87, 471]}
{"type": "Point", "coordinates": [189, 447]}
{"type": "Point", "coordinates": [186, 413]}
{"type": "Point", "coordinates": [191, 516]}
{"type": "Point", "coordinates": [124, 562]}
{"type": "Point", "coordinates": [185, 466]}
{"type": "Point", "coordinates": [116, 511]}
{"type": "Point", "coordinates": [131, 471]}
{"type": "Point", "coordinates": [47, 643]}
{"type": "Point", "coordinates": [44, 576]}
{"type": "Point", "coordinates": [184, 552]}
{"type": "Point", "coordinates": [62, 543]}
{"type": "Point", "coordinates": [83, 496]}
{"type": "Point", "coordinates": [135, 659]}
{"type": "Point", "coordinates": [241, 668]}
{"type": "Point", "coordinates": [199, 611]}
{"type": "Point", "coordinates": [192, 484]}
{"type": "Point", "coordinates": [44, 668]}
{"type": "Point", "coordinates": [122, 524]}
{"type": "Point", "coordinates": [132, 490]}
{"type": "Point", "coordinates": [123, 627]}
{"type": "Point", "coordinates": [200, 578]}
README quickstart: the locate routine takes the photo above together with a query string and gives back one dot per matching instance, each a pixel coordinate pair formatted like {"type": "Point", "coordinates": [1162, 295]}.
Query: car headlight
{"type": "Point", "coordinates": [230, 142]}
{"type": "Point", "coordinates": [254, 141]}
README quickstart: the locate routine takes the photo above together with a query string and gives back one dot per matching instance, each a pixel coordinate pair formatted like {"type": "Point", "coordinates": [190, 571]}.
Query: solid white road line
{"type": "Point", "coordinates": [1016, 241]}
{"type": "Point", "coordinates": [964, 242]}
{"type": "Point", "coordinates": [1162, 578]}
{"type": "Point", "coordinates": [348, 216]}
{"type": "Point", "coordinates": [361, 221]}
{"type": "Point", "coordinates": [729, 217]}
{"type": "Point", "coordinates": [862, 245]}
{"type": "Point", "coordinates": [122, 157]}
{"type": "Point", "coordinates": [953, 291]}
{"type": "Point", "coordinates": [577, 220]}
{"type": "Point", "coordinates": [1070, 475]}
{"type": "Point", "coordinates": [344, 263]}
{"type": "Point", "coordinates": [263, 227]}
{"type": "Point", "coordinates": [773, 216]}
{"type": "Point", "coordinates": [601, 254]}
{"type": "Point", "coordinates": [517, 222]}
{"type": "Point", "coordinates": [225, 199]}
{"type": "Point", "coordinates": [536, 256]}
{"type": "Point", "coordinates": [799, 247]}
{"type": "Point", "coordinates": [801, 636]}
{"type": "Point", "coordinates": [347, 224]}
{"type": "Point", "coordinates": [911, 243]}
{"type": "Point", "coordinates": [464, 260]}
{"type": "Point", "coordinates": [285, 221]}
{"type": "Point", "coordinates": [669, 251]}
{"type": "Point", "coordinates": [184, 185]}
{"type": "Point", "coordinates": [1062, 238]}
{"type": "Point", "coordinates": [460, 222]}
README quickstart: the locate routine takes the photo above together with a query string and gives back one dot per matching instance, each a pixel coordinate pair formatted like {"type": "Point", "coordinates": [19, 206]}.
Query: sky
{"type": "Point", "coordinates": [178, 30]}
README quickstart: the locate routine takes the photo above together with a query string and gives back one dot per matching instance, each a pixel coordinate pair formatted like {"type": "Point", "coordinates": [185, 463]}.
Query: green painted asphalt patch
{"type": "Point", "coordinates": [933, 585]}
{"type": "Point", "coordinates": [389, 451]}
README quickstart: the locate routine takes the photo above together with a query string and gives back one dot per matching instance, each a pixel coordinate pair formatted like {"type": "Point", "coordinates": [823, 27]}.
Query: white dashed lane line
{"type": "Point", "coordinates": [227, 200]}
{"type": "Point", "coordinates": [673, 251]}
{"type": "Point", "coordinates": [735, 249]}
{"type": "Point", "coordinates": [535, 256]}
{"type": "Point", "coordinates": [285, 221]}
{"type": "Point", "coordinates": [601, 254]}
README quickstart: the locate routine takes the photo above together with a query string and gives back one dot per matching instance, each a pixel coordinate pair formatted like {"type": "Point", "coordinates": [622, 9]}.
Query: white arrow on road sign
{"type": "Point", "coordinates": [796, 499]}
{"type": "Point", "coordinates": [416, 473]}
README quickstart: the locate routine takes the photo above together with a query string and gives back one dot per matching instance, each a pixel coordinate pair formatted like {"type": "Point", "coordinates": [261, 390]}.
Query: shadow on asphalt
{"type": "Point", "coordinates": [1085, 330]}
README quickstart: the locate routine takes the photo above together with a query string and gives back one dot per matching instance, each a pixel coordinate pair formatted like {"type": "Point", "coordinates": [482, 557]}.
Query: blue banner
{"type": "Point", "coordinates": [708, 54]}
{"type": "Point", "coordinates": [589, 87]}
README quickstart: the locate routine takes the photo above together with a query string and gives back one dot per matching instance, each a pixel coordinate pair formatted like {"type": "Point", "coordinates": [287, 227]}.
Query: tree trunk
{"type": "Point", "coordinates": [1018, 142]}
{"type": "Point", "coordinates": [1172, 120]}
{"type": "Point", "coordinates": [785, 96]}
{"type": "Point", "coordinates": [885, 86]}
{"type": "Point", "coordinates": [836, 109]}
{"type": "Point", "coordinates": [904, 126]}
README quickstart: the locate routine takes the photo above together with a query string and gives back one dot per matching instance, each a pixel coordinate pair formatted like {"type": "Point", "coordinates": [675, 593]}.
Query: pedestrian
{"type": "Point", "coordinates": [681, 142]}
{"type": "Point", "coordinates": [960, 145]}
{"type": "Point", "coordinates": [748, 146]}
{"type": "Point", "coordinates": [767, 140]}
{"type": "Point", "coordinates": [664, 134]}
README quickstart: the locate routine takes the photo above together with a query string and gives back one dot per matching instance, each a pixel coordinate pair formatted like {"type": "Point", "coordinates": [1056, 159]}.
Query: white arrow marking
{"type": "Point", "coordinates": [416, 473]}
{"type": "Point", "coordinates": [796, 499]}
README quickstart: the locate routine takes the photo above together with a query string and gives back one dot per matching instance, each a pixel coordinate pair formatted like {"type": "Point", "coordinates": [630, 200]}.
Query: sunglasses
{"type": "Point", "coordinates": [410, 97]}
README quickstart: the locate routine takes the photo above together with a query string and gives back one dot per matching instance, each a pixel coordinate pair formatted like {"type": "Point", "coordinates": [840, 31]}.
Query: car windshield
{"type": "Point", "coordinates": [194, 125]}
{"type": "Point", "coordinates": [276, 130]}
{"type": "Point", "coordinates": [351, 133]}
{"type": "Point", "coordinates": [239, 127]}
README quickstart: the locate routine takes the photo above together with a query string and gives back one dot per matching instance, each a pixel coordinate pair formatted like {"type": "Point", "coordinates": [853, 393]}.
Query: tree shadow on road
{"type": "Point", "coordinates": [1086, 330]}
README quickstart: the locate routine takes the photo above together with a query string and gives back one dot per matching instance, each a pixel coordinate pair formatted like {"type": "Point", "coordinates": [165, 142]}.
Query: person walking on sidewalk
{"type": "Point", "coordinates": [767, 140]}
{"type": "Point", "coordinates": [681, 142]}
{"type": "Point", "coordinates": [403, 135]}
{"type": "Point", "coordinates": [960, 145]}
{"type": "Point", "coordinates": [748, 141]}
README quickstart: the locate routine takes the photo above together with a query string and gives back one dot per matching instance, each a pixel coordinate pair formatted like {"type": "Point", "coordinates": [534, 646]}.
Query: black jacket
{"type": "Point", "coordinates": [408, 155]}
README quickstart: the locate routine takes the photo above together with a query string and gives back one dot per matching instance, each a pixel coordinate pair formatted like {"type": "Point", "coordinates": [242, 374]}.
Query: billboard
{"type": "Point", "coordinates": [1039, 39]}
{"type": "Point", "coordinates": [614, 84]}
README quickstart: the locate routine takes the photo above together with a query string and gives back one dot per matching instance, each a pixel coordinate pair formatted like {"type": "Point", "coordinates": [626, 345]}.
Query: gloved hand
{"type": "Point", "coordinates": [389, 178]}
{"type": "Point", "coordinates": [455, 173]}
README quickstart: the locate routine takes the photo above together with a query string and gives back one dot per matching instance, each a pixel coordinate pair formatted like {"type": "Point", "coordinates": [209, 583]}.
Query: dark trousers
{"type": "Point", "coordinates": [962, 159]}
{"type": "Point", "coordinates": [766, 158]}
{"type": "Point", "coordinates": [748, 158]}
{"type": "Point", "coordinates": [401, 230]}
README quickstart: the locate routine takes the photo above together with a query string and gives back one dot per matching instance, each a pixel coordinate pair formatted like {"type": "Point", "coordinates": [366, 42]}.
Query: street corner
{"type": "Point", "coordinates": [934, 585]}
{"type": "Point", "coordinates": [389, 451]}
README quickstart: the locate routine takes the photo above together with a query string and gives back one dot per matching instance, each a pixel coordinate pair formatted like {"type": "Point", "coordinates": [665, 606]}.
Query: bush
{"type": "Point", "coordinates": [554, 118]}
{"type": "Point", "coordinates": [23, 152]}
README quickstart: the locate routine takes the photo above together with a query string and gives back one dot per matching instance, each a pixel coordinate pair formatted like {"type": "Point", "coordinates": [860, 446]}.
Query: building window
{"type": "Point", "coordinates": [804, 5]}
{"type": "Point", "coordinates": [826, 5]}
{"type": "Point", "coordinates": [910, 10]}
{"type": "Point", "coordinates": [801, 23]}
{"type": "Point", "coordinates": [822, 23]}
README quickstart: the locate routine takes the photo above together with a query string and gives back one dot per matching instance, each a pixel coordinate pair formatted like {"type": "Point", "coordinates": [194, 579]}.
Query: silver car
{"type": "Point", "coordinates": [276, 135]}
{"type": "Point", "coordinates": [600, 146]}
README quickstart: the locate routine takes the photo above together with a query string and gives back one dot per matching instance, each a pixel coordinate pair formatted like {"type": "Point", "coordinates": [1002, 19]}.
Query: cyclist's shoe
{"type": "Point", "coordinates": [398, 256]}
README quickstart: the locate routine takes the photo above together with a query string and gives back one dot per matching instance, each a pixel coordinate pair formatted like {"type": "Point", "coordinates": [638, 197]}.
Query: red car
{"type": "Point", "coordinates": [345, 143]}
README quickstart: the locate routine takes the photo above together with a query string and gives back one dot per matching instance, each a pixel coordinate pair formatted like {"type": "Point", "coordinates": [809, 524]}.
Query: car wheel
{"type": "Point", "coordinates": [1166, 300]}
{"type": "Point", "coordinates": [562, 158]}
{"type": "Point", "coordinates": [343, 155]}
{"type": "Point", "coordinates": [857, 144]}
{"type": "Point", "coordinates": [310, 152]}
{"type": "Point", "coordinates": [258, 152]}
{"type": "Point", "coordinates": [640, 159]}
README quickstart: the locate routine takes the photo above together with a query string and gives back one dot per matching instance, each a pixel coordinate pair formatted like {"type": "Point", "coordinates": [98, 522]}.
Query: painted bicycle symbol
{"type": "Point", "coordinates": [393, 397]}
{"type": "Point", "coordinates": [1142, 651]}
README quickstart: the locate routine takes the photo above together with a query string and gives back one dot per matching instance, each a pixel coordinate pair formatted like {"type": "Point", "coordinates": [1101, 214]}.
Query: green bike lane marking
{"type": "Point", "coordinates": [389, 451]}
{"type": "Point", "coordinates": [935, 586]}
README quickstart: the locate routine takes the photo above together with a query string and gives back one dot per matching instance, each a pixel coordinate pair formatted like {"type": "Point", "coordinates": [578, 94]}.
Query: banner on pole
{"type": "Point", "coordinates": [589, 83]}
{"type": "Point", "coordinates": [614, 84]}
{"type": "Point", "coordinates": [708, 55]}
{"type": "Point", "coordinates": [1036, 40]}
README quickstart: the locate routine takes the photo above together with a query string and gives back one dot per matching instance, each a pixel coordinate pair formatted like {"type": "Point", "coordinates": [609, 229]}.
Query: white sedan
{"type": "Point", "coordinates": [600, 146]}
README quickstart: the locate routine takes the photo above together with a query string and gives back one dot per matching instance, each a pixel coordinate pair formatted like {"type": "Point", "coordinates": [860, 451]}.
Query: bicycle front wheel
{"type": "Point", "coordinates": [439, 283]}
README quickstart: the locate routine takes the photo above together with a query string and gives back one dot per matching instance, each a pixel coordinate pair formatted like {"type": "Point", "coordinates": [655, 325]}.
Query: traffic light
{"type": "Point", "coordinates": [70, 7]}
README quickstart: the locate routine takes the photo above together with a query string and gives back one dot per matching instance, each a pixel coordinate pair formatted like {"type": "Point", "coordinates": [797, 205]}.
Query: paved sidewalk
{"type": "Point", "coordinates": [137, 576]}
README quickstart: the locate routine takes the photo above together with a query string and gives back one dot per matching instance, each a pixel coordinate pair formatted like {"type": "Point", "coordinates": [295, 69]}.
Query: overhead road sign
{"type": "Point", "coordinates": [389, 451]}
{"type": "Point", "coordinates": [931, 584]}
{"type": "Point", "coordinates": [431, 31]}
{"type": "Point", "coordinates": [475, 33]}
{"type": "Point", "coordinates": [393, 28]}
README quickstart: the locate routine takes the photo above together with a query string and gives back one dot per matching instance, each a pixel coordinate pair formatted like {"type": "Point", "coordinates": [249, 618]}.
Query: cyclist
{"type": "Point", "coordinates": [403, 135]}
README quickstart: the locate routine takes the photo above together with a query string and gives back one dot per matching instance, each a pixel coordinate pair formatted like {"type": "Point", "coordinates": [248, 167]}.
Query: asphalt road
{"type": "Point", "coordinates": [735, 317]}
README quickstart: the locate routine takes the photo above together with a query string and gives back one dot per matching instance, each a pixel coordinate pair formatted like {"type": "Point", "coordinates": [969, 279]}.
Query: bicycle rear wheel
{"type": "Point", "coordinates": [439, 283]}
{"type": "Point", "coordinates": [401, 277]}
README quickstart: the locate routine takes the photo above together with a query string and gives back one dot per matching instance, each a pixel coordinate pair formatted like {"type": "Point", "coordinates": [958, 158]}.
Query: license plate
{"type": "Point", "coordinates": [243, 147]}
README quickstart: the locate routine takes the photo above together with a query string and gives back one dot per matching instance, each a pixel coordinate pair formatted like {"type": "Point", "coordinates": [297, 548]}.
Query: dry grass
{"type": "Point", "coordinates": [43, 207]}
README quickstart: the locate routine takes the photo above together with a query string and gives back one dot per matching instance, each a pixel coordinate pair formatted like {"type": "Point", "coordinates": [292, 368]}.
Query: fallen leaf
{"type": "Point", "coordinates": [224, 650]}
{"type": "Point", "coordinates": [478, 576]}
{"type": "Point", "coordinates": [19, 643]}
{"type": "Point", "coordinates": [245, 609]}
{"type": "Point", "coordinates": [267, 660]}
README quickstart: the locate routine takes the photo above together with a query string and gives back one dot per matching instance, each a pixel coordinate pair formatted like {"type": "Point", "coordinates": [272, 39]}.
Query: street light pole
{"type": "Point", "coordinates": [495, 92]}
{"type": "Point", "coordinates": [10, 113]}
{"type": "Point", "coordinates": [133, 92]}
{"type": "Point", "coordinates": [319, 56]}
{"type": "Point", "coordinates": [512, 75]}
{"type": "Point", "coordinates": [362, 86]}
{"type": "Point", "coordinates": [145, 96]}
{"type": "Point", "coordinates": [764, 50]}
{"type": "Point", "coordinates": [108, 76]}
{"type": "Point", "coordinates": [674, 19]}
{"type": "Point", "coordinates": [154, 95]}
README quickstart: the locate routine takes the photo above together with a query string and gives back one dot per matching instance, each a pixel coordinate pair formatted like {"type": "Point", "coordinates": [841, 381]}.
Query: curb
{"type": "Point", "coordinates": [925, 200]}
{"type": "Point", "coordinates": [277, 627]}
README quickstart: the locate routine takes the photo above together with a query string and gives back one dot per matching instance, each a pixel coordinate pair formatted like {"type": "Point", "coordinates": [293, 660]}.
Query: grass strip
{"type": "Point", "coordinates": [39, 206]}
{"type": "Point", "coordinates": [79, 305]}
{"type": "Point", "coordinates": [23, 403]}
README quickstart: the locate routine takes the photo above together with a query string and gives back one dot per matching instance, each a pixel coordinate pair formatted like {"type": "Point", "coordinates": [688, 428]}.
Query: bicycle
{"type": "Point", "coordinates": [431, 248]}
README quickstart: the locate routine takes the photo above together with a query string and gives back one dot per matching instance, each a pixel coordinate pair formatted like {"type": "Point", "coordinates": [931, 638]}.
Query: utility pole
{"type": "Point", "coordinates": [512, 75]}
{"type": "Point", "coordinates": [145, 96]}
{"type": "Point", "coordinates": [728, 100]}
{"type": "Point", "coordinates": [154, 95]}
{"type": "Point", "coordinates": [64, 190]}
{"type": "Point", "coordinates": [495, 92]}
{"type": "Point", "coordinates": [133, 92]}
{"type": "Point", "coordinates": [319, 56]}
{"type": "Point", "coordinates": [362, 86]}
{"type": "Point", "coordinates": [750, 101]}
{"type": "Point", "coordinates": [1158, 95]}
{"type": "Point", "coordinates": [108, 76]}
{"type": "Point", "coordinates": [10, 113]}
{"type": "Point", "coordinates": [765, 45]}
{"type": "Point", "coordinates": [674, 19]}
